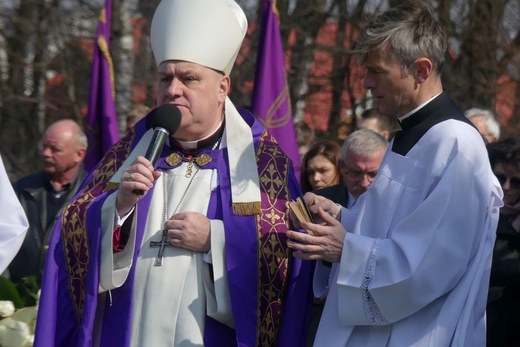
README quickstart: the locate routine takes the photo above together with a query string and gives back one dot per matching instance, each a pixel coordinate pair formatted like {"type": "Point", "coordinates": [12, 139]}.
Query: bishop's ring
{"type": "Point", "coordinates": [129, 177]}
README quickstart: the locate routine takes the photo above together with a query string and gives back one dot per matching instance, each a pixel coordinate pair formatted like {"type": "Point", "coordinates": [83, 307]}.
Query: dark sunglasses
{"type": "Point", "coordinates": [514, 182]}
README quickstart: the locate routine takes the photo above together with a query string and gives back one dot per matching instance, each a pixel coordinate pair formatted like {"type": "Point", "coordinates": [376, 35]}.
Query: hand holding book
{"type": "Point", "coordinates": [299, 212]}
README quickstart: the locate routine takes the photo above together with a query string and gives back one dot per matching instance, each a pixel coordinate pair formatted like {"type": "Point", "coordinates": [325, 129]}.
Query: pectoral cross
{"type": "Point", "coordinates": [162, 245]}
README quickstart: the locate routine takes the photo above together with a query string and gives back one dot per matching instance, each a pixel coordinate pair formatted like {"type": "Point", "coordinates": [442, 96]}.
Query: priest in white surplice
{"type": "Point", "coordinates": [411, 267]}
{"type": "Point", "coordinates": [199, 259]}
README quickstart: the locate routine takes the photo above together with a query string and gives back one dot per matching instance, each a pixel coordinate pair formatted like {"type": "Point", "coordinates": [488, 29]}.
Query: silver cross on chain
{"type": "Point", "coordinates": [162, 245]}
{"type": "Point", "coordinates": [164, 240]}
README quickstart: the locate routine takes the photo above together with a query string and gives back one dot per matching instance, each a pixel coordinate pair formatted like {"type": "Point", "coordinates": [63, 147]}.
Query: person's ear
{"type": "Point", "coordinates": [80, 154]}
{"type": "Point", "coordinates": [224, 87]}
{"type": "Point", "coordinates": [422, 70]}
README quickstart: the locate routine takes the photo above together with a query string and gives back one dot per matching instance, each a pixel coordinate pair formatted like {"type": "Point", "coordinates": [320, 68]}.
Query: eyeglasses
{"type": "Point", "coordinates": [514, 182]}
{"type": "Point", "coordinates": [355, 175]}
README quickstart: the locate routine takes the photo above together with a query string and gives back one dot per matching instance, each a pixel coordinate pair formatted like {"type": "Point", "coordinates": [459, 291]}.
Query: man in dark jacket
{"type": "Point", "coordinates": [44, 194]}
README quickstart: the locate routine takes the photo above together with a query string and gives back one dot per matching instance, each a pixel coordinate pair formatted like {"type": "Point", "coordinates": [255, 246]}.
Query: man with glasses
{"type": "Point", "coordinates": [361, 155]}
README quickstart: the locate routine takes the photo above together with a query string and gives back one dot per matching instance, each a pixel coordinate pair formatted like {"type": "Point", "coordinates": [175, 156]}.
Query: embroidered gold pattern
{"type": "Point", "coordinates": [74, 233]}
{"type": "Point", "coordinates": [273, 253]}
{"type": "Point", "coordinates": [203, 159]}
{"type": "Point", "coordinates": [274, 217]}
{"type": "Point", "coordinates": [272, 180]}
{"type": "Point", "coordinates": [173, 159]}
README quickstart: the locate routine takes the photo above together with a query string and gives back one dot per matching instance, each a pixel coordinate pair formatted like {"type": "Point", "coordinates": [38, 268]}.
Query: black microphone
{"type": "Point", "coordinates": [166, 119]}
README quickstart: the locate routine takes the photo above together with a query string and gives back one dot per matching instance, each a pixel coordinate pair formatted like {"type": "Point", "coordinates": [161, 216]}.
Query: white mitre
{"type": "Point", "coordinates": [189, 29]}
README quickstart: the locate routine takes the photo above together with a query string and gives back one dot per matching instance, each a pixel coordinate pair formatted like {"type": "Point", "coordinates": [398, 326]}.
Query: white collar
{"type": "Point", "coordinates": [417, 108]}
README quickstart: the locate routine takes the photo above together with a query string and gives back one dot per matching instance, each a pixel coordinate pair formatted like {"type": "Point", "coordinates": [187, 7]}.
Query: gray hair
{"type": "Point", "coordinates": [81, 137]}
{"type": "Point", "coordinates": [408, 32]}
{"type": "Point", "coordinates": [363, 142]}
{"type": "Point", "coordinates": [492, 124]}
{"type": "Point", "coordinates": [77, 132]}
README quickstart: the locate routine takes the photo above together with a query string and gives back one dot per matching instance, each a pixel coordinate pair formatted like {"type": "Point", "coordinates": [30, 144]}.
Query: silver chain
{"type": "Point", "coordinates": [185, 191]}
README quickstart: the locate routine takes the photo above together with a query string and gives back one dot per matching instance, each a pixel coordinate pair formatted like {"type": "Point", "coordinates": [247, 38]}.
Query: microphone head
{"type": "Point", "coordinates": [168, 117]}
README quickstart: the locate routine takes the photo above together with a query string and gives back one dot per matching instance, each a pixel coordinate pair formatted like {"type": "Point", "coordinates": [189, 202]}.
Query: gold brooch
{"type": "Point", "coordinates": [173, 159]}
{"type": "Point", "coordinates": [203, 159]}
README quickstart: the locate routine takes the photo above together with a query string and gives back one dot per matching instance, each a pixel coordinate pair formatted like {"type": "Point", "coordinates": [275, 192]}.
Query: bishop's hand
{"type": "Point", "coordinates": [140, 175]}
{"type": "Point", "coordinates": [190, 230]}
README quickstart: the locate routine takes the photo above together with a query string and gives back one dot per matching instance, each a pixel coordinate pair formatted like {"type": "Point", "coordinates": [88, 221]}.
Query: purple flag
{"type": "Point", "coordinates": [101, 127]}
{"type": "Point", "coordinates": [270, 100]}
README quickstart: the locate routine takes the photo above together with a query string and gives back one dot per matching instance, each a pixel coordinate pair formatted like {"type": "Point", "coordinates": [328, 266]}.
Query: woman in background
{"type": "Point", "coordinates": [321, 166]}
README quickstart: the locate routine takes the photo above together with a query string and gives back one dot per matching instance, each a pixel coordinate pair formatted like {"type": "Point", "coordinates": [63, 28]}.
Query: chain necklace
{"type": "Point", "coordinates": [188, 174]}
{"type": "Point", "coordinates": [163, 243]}
{"type": "Point", "coordinates": [165, 194]}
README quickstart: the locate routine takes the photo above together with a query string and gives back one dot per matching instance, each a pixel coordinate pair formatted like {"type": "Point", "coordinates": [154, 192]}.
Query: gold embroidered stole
{"type": "Point", "coordinates": [76, 248]}
{"type": "Point", "coordinates": [273, 253]}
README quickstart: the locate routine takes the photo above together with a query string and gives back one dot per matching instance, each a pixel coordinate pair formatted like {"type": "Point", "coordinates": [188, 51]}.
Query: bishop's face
{"type": "Point", "coordinates": [198, 92]}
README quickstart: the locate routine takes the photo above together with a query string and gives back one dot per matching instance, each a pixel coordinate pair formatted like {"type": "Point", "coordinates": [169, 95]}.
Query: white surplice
{"type": "Point", "coordinates": [170, 302]}
{"type": "Point", "coordinates": [13, 221]}
{"type": "Point", "coordinates": [415, 265]}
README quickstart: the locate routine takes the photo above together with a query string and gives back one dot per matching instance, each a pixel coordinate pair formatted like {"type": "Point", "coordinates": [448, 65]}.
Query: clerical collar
{"type": "Point", "coordinates": [402, 118]}
{"type": "Point", "coordinates": [437, 110]}
{"type": "Point", "coordinates": [194, 146]}
{"type": "Point", "coordinates": [426, 111]}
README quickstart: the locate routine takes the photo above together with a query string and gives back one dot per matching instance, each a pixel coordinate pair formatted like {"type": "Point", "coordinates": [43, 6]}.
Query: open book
{"type": "Point", "coordinates": [299, 212]}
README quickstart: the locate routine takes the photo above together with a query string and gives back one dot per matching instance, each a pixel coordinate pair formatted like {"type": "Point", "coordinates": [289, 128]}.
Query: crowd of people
{"type": "Point", "coordinates": [416, 232]}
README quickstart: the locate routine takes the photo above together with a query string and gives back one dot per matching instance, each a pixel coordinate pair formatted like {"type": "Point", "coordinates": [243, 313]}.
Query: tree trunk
{"type": "Point", "coordinates": [122, 52]}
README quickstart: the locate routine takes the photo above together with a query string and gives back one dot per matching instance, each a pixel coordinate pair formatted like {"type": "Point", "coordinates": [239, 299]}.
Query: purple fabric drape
{"type": "Point", "coordinates": [101, 124]}
{"type": "Point", "coordinates": [270, 100]}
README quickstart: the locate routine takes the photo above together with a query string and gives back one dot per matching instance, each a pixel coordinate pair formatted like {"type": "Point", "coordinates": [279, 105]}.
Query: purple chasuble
{"type": "Point", "coordinates": [270, 291]}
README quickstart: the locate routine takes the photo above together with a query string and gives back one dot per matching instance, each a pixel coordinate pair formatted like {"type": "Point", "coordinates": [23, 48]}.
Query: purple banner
{"type": "Point", "coordinates": [101, 124]}
{"type": "Point", "coordinates": [270, 100]}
